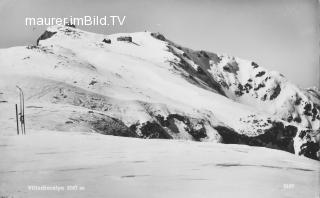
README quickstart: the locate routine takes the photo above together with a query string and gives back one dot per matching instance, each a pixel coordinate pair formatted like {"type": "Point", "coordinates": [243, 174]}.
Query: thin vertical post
{"type": "Point", "coordinates": [17, 119]}
{"type": "Point", "coordinates": [21, 115]}
{"type": "Point", "coordinates": [22, 118]}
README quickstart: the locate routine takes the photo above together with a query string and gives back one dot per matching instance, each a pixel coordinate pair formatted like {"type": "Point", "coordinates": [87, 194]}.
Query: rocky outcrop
{"type": "Point", "coordinates": [278, 136]}
{"type": "Point", "coordinates": [195, 64]}
{"type": "Point", "coordinates": [158, 36]}
{"type": "Point", "coordinates": [108, 41]}
{"type": "Point", "coordinates": [125, 38]}
{"type": "Point", "coordinates": [112, 126]}
{"type": "Point", "coordinates": [47, 34]}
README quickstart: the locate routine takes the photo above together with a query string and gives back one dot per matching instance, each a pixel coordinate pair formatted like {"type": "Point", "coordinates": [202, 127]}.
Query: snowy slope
{"type": "Point", "coordinates": [148, 87]}
{"type": "Point", "coordinates": [108, 166]}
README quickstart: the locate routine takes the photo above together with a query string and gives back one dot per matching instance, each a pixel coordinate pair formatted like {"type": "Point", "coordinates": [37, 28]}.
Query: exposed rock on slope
{"type": "Point", "coordinates": [45, 35]}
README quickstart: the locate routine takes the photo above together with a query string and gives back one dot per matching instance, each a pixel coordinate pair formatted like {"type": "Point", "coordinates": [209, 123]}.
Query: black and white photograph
{"type": "Point", "coordinates": [159, 98]}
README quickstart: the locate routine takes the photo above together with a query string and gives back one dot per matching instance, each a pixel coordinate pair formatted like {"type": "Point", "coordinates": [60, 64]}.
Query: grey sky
{"type": "Point", "coordinates": [278, 34]}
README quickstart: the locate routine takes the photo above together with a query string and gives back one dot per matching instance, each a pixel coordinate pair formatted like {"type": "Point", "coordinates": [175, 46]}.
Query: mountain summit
{"type": "Point", "coordinates": [144, 85]}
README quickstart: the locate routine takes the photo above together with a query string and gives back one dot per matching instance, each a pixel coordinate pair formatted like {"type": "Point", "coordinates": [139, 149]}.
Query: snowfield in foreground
{"type": "Point", "coordinates": [110, 166]}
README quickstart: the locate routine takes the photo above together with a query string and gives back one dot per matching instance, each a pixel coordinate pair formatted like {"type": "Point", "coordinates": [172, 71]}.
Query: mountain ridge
{"type": "Point", "coordinates": [143, 85]}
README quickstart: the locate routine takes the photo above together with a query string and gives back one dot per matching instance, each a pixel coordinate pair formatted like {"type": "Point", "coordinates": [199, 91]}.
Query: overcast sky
{"type": "Point", "coordinates": [280, 35]}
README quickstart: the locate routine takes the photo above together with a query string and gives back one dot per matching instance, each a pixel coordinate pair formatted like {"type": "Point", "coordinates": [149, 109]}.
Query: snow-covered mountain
{"type": "Point", "coordinates": [143, 85]}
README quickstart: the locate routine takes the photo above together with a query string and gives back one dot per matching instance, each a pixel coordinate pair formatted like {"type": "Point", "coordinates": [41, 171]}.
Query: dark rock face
{"type": "Point", "coordinates": [278, 136]}
{"type": "Point", "coordinates": [298, 100]}
{"type": "Point", "coordinates": [297, 119]}
{"type": "Point", "coordinates": [158, 36]}
{"type": "Point", "coordinates": [311, 110]}
{"type": "Point", "coordinates": [159, 128]}
{"type": "Point", "coordinates": [112, 126]}
{"type": "Point", "coordinates": [199, 76]}
{"type": "Point", "coordinates": [254, 65]}
{"type": "Point", "coordinates": [276, 92]}
{"type": "Point", "coordinates": [246, 88]}
{"type": "Point", "coordinates": [196, 133]}
{"type": "Point", "coordinates": [125, 38]}
{"type": "Point", "coordinates": [93, 82]}
{"type": "Point", "coordinates": [283, 136]}
{"type": "Point", "coordinates": [251, 88]}
{"type": "Point", "coordinates": [152, 130]}
{"type": "Point", "coordinates": [45, 35]}
{"type": "Point", "coordinates": [307, 109]}
{"type": "Point", "coordinates": [310, 149]}
{"type": "Point", "coordinates": [231, 67]}
{"type": "Point", "coordinates": [260, 74]}
{"type": "Point", "coordinates": [229, 136]}
{"type": "Point", "coordinates": [106, 41]}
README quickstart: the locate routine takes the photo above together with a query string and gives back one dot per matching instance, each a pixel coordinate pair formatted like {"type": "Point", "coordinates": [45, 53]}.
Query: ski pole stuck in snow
{"type": "Point", "coordinates": [21, 114]}
{"type": "Point", "coordinates": [17, 119]}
